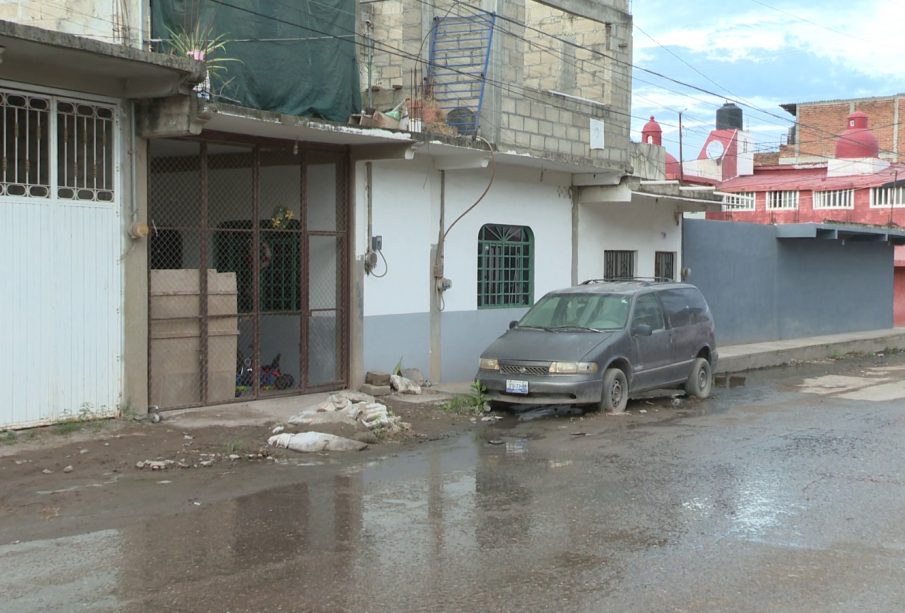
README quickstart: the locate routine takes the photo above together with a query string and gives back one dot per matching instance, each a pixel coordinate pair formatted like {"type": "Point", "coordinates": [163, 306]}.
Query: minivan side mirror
{"type": "Point", "coordinates": [513, 324]}
{"type": "Point", "coordinates": [642, 330]}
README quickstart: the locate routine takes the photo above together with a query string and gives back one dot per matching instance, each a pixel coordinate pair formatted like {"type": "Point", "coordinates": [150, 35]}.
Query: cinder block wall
{"type": "Point", "coordinates": [521, 112]}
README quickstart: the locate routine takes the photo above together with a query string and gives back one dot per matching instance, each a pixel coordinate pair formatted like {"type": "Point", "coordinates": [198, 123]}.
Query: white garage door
{"type": "Point", "coordinates": [60, 254]}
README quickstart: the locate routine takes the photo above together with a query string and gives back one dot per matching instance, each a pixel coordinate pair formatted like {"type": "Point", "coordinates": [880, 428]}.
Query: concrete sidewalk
{"type": "Point", "coordinates": [738, 358]}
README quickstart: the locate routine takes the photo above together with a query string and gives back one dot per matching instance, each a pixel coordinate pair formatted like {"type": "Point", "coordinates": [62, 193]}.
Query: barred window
{"type": "Point", "coordinates": [835, 199]}
{"type": "Point", "coordinates": [884, 197]}
{"type": "Point", "coordinates": [42, 133]}
{"type": "Point", "coordinates": [618, 264]}
{"type": "Point", "coordinates": [84, 151]}
{"type": "Point", "coordinates": [784, 200]}
{"type": "Point", "coordinates": [26, 150]}
{"type": "Point", "coordinates": [665, 265]}
{"type": "Point", "coordinates": [505, 266]}
{"type": "Point", "coordinates": [741, 201]}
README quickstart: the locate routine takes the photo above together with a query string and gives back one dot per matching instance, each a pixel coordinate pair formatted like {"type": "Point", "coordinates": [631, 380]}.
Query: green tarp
{"type": "Point", "coordinates": [295, 56]}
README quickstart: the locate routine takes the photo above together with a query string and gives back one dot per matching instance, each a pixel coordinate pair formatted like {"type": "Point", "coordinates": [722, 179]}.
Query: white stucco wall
{"type": "Point", "coordinates": [637, 226]}
{"type": "Point", "coordinates": [406, 210]}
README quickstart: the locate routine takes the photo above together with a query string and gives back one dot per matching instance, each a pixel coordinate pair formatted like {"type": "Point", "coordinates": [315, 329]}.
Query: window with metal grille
{"type": "Point", "coordinates": [835, 199]}
{"type": "Point", "coordinates": [742, 201]}
{"type": "Point", "coordinates": [81, 167]}
{"type": "Point", "coordinates": [885, 197]}
{"type": "Point", "coordinates": [618, 264]}
{"type": "Point", "coordinates": [665, 265]}
{"type": "Point", "coordinates": [84, 151]}
{"type": "Point", "coordinates": [784, 200]}
{"type": "Point", "coordinates": [505, 266]}
{"type": "Point", "coordinates": [26, 150]}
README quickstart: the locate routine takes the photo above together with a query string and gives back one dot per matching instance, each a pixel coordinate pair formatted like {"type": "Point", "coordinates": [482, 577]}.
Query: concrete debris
{"type": "Point", "coordinates": [68, 469]}
{"type": "Point", "coordinates": [187, 437]}
{"type": "Point", "coordinates": [404, 385]}
{"type": "Point", "coordinates": [278, 429]}
{"type": "Point", "coordinates": [351, 408]}
{"type": "Point", "coordinates": [492, 418]}
{"type": "Point", "coordinates": [182, 464]}
{"type": "Point", "coordinates": [47, 471]}
{"type": "Point", "coordinates": [376, 377]}
{"type": "Point", "coordinates": [642, 411]}
{"type": "Point", "coordinates": [414, 375]}
{"type": "Point", "coordinates": [139, 465]}
{"type": "Point", "coordinates": [310, 442]}
{"type": "Point", "coordinates": [376, 390]}
{"type": "Point", "coordinates": [234, 456]}
{"type": "Point", "coordinates": [206, 463]}
{"type": "Point", "coordinates": [83, 451]}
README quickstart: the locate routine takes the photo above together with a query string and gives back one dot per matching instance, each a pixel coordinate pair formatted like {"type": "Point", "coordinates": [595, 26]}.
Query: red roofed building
{"type": "Point", "coordinates": [855, 186]}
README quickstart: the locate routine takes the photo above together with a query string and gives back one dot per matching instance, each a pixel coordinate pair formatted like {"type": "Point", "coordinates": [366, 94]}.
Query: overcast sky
{"type": "Point", "coordinates": [762, 53]}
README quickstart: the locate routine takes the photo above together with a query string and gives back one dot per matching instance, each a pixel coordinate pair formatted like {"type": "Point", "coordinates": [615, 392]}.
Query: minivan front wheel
{"type": "Point", "coordinates": [700, 380]}
{"type": "Point", "coordinates": [615, 391]}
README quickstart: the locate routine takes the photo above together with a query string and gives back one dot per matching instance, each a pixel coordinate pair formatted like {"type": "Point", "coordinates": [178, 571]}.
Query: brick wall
{"type": "Point", "coordinates": [820, 122]}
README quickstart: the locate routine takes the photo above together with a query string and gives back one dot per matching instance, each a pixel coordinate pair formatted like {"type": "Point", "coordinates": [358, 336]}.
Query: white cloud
{"type": "Point", "coordinates": [860, 36]}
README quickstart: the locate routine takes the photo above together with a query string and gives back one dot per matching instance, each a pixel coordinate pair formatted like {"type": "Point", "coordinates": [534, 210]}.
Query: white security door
{"type": "Point", "coordinates": [60, 248]}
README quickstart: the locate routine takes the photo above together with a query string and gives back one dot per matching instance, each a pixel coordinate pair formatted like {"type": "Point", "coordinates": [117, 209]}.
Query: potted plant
{"type": "Point", "coordinates": [200, 44]}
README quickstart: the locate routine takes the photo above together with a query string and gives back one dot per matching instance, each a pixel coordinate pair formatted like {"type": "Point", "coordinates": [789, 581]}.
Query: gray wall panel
{"type": "Point", "coordinates": [761, 288]}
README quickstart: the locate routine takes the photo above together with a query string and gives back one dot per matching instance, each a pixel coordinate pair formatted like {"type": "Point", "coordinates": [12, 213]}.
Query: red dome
{"type": "Point", "coordinates": [672, 166]}
{"type": "Point", "coordinates": [857, 141]}
{"type": "Point", "coordinates": [652, 133]}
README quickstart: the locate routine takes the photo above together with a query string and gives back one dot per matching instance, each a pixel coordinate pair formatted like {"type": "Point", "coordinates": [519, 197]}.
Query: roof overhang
{"type": "Point", "coordinates": [49, 58]}
{"type": "Point", "coordinates": [840, 232]}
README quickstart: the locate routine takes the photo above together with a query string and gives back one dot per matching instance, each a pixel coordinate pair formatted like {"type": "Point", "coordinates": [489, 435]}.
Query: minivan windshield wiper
{"type": "Point", "coordinates": [532, 328]}
{"type": "Point", "coordinates": [583, 328]}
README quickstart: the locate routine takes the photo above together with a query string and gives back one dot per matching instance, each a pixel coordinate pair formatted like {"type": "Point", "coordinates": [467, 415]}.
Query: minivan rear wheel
{"type": "Point", "coordinates": [700, 381]}
{"type": "Point", "coordinates": [615, 391]}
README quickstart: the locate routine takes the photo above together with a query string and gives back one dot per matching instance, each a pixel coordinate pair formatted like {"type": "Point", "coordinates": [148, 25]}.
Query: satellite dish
{"type": "Point", "coordinates": [715, 150]}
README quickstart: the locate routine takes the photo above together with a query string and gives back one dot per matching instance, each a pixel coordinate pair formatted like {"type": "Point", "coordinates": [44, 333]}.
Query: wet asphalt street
{"type": "Point", "coordinates": [785, 494]}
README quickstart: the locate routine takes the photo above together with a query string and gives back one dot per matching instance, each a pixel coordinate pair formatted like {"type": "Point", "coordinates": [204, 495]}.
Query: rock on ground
{"type": "Point", "coordinates": [375, 377]}
{"type": "Point", "coordinates": [404, 385]}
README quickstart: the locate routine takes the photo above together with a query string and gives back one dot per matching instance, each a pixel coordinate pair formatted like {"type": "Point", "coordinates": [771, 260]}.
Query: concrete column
{"type": "Point", "coordinates": [135, 276]}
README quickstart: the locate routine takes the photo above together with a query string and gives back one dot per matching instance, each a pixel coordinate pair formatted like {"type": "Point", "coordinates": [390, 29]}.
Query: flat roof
{"type": "Point", "coordinates": [828, 231]}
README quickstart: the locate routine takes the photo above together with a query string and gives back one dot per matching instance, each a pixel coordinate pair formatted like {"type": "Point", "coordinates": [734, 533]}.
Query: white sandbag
{"type": "Point", "coordinates": [308, 442]}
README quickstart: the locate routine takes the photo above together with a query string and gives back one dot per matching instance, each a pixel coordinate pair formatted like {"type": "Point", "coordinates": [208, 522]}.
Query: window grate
{"type": "Point", "coordinates": [25, 163]}
{"type": "Point", "coordinates": [742, 201]}
{"type": "Point", "coordinates": [505, 266]}
{"type": "Point", "coordinates": [782, 200]}
{"type": "Point", "coordinates": [835, 199]}
{"type": "Point", "coordinates": [618, 264]}
{"type": "Point", "coordinates": [84, 151]}
{"type": "Point", "coordinates": [885, 197]}
{"type": "Point", "coordinates": [665, 265]}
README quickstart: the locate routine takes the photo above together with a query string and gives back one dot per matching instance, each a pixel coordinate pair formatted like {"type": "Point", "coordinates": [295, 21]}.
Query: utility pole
{"type": "Point", "coordinates": [681, 157]}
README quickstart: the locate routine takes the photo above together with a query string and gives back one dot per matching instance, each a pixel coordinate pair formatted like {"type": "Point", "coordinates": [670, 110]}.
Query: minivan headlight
{"type": "Point", "coordinates": [490, 364]}
{"type": "Point", "coordinates": [573, 368]}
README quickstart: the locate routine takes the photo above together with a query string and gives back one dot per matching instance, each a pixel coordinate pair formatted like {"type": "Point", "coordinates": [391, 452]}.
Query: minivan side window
{"type": "Point", "coordinates": [648, 311]}
{"type": "Point", "coordinates": [684, 306]}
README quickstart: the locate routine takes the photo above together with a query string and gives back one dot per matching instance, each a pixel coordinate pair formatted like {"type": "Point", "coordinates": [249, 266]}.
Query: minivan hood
{"type": "Point", "coordinates": [527, 344]}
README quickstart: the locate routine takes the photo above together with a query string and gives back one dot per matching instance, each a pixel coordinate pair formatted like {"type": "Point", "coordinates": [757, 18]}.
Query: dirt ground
{"type": "Point", "coordinates": [55, 457]}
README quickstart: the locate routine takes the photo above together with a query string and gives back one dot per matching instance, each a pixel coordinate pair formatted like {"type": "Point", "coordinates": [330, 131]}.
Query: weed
{"type": "Point", "coordinates": [233, 446]}
{"type": "Point", "coordinates": [8, 438]}
{"type": "Point", "coordinates": [68, 427]}
{"type": "Point", "coordinates": [471, 404]}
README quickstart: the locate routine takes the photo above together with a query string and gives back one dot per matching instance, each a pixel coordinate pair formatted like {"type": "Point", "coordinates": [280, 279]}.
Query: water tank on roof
{"type": "Point", "coordinates": [729, 117]}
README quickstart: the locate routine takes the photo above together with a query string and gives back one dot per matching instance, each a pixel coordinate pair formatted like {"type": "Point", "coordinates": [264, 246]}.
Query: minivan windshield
{"type": "Point", "coordinates": [579, 311]}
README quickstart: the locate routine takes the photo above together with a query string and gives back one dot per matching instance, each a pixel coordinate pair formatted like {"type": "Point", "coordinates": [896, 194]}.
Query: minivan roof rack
{"type": "Point", "coordinates": [644, 280]}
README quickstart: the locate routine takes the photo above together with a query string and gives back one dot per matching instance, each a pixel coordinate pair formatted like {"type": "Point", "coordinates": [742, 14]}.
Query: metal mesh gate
{"type": "Point", "coordinates": [247, 272]}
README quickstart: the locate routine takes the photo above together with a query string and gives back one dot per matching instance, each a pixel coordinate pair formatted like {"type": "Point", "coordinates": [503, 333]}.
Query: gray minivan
{"type": "Point", "coordinates": [601, 342]}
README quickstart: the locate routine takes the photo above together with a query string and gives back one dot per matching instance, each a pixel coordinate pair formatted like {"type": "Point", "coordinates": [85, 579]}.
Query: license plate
{"type": "Point", "coordinates": [516, 387]}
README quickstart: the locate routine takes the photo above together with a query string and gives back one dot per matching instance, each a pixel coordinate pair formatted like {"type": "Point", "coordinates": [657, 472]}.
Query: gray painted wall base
{"type": "Point", "coordinates": [465, 334]}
